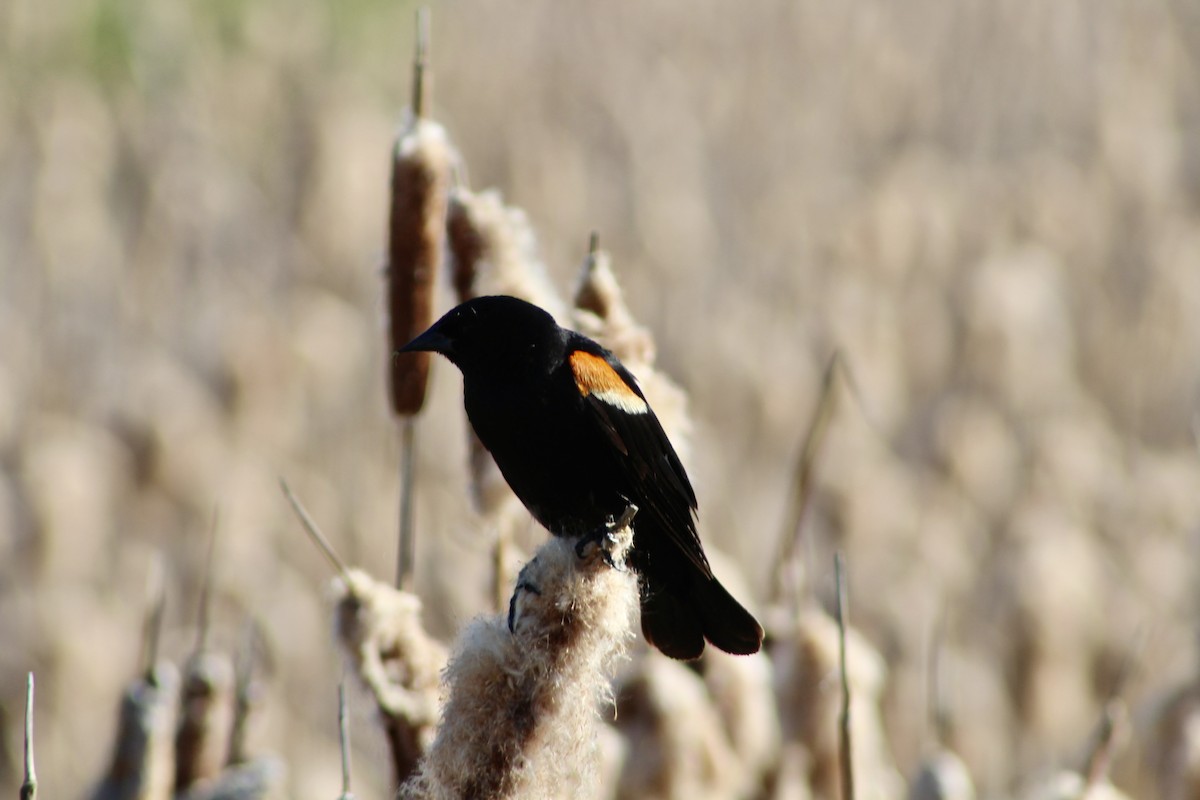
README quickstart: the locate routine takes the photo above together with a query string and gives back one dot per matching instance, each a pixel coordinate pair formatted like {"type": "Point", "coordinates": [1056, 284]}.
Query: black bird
{"type": "Point", "coordinates": [576, 440]}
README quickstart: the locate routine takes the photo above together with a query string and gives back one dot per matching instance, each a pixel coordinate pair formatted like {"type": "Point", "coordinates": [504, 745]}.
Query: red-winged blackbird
{"type": "Point", "coordinates": [574, 437]}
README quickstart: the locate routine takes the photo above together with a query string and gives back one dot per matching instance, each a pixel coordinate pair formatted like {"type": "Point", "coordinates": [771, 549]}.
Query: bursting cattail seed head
{"type": "Point", "coordinates": [523, 692]}
{"type": "Point", "coordinates": [495, 251]}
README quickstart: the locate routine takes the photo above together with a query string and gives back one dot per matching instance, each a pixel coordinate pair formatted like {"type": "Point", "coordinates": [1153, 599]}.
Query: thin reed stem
{"type": "Point", "coordinates": [845, 751]}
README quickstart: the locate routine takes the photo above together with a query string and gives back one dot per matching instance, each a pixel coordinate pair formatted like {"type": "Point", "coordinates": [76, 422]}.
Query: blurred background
{"type": "Point", "coordinates": [991, 209]}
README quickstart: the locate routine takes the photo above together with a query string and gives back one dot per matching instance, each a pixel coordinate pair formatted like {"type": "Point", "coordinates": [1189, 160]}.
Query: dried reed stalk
{"type": "Point", "coordinates": [803, 484]}
{"type": "Point", "coordinates": [521, 716]}
{"type": "Point", "coordinates": [845, 751]}
{"type": "Point", "coordinates": [29, 786]}
{"type": "Point", "coordinates": [344, 742]}
{"type": "Point", "coordinates": [314, 532]}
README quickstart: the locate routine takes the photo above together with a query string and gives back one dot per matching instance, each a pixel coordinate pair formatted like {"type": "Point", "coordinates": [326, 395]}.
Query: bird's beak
{"type": "Point", "coordinates": [432, 340]}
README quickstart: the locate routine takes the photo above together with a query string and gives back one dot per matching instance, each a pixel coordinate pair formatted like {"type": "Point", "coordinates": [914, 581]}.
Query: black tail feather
{"type": "Point", "coordinates": [681, 611]}
{"type": "Point", "coordinates": [669, 624]}
{"type": "Point", "coordinates": [728, 625]}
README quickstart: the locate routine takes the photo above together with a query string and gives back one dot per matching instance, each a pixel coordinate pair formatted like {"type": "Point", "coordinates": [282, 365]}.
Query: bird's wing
{"type": "Point", "coordinates": [644, 453]}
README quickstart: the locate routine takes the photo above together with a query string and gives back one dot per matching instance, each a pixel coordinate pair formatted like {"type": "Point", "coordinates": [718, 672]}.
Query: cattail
{"type": "Point", "coordinates": [380, 631]}
{"type": "Point", "coordinates": [423, 163]}
{"type": "Point", "coordinates": [601, 313]}
{"type": "Point", "coordinates": [206, 719]}
{"type": "Point", "coordinates": [521, 718]}
{"type": "Point", "coordinates": [495, 251]}
{"type": "Point", "coordinates": [143, 761]}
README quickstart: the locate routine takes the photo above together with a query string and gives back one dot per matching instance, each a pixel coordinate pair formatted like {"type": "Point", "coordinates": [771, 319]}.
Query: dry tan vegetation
{"type": "Point", "coordinates": [991, 210]}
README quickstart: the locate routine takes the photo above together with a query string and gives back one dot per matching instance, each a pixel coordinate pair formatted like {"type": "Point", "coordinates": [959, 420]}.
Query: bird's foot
{"type": "Point", "coordinates": [522, 586]}
{"type": "Point", "coordinates": [604, 539]}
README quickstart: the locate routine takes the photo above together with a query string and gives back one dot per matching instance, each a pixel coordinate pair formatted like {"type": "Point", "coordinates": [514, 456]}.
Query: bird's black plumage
{"type": "Point", "coordinates": [576, 440]}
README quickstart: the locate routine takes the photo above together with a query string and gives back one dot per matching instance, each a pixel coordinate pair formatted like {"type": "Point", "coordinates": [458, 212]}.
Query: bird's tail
{"type": "Point", "coordinates": [680, 611]}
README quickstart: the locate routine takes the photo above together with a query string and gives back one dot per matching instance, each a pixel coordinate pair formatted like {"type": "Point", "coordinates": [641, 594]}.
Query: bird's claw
{"type": "Point", "coordinates": [522, 585]}
{"type": "Point", "coordinates": [604, 539]}
{"type": "Point", "coordinates": [600, 542]}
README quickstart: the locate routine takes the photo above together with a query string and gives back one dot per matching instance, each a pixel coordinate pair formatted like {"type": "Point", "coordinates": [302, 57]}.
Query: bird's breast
{"type": "Point", "coordinates": [549, 452]}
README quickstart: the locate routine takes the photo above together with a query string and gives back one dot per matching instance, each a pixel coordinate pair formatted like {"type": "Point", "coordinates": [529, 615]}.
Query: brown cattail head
{"type": "Point", "coordinates": [423, 162]}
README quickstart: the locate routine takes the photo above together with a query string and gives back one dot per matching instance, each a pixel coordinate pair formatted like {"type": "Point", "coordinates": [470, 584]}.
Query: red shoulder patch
{"type": "Point", "coordinates": [594, 376]}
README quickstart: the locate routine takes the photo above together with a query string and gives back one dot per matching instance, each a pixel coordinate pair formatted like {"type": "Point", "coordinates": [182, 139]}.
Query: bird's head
{"type": "Point", "coordinates": [494, 332]}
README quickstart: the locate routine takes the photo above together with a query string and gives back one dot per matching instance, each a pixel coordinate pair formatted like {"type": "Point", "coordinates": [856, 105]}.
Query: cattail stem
{"type": "Point", "coordinates": [420, 86]}
{"type": "Point", "coordinates": [845, 751]}
{"type": "Point", "coordinates": [1111, 717]}
{"type": "Point", "coordinates": [245, 695]}
{"type": "Point", "coordinates": [940, 714]}
{"type": "Point", "coordinates": [314, 533]}
{"type": "Point", "coordinates": [1100, 755]}
{"type": "Point", "coordinates": [29, 787]}
{"type": "Point", "coordinates": [805, 473]}
{"type": "Point", "coordinates": [406, 546]}
{"type": "Point", "coordinates": [206, 586]}
{"type": "Point", "coordinates": [156, 603]}
{"type": "Point", "coordinates": [344, 741]}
